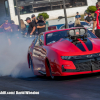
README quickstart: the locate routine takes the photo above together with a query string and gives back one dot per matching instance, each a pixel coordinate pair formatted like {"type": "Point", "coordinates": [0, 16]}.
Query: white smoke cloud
{"type": "Point", "coordinates": [13, 58]}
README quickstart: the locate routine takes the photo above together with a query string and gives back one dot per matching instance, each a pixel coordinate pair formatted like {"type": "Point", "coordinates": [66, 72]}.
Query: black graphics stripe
{"type": "Point", "coordinates": [80, 46]}
{"type": "Point", "coordinates": [89, 44]}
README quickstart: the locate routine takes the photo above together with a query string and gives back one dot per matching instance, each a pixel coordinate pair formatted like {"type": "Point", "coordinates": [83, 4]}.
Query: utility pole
{"type": "Point", "coordinates": [66, 22]}
{"type": "Point", "coordinates": [18, 13]}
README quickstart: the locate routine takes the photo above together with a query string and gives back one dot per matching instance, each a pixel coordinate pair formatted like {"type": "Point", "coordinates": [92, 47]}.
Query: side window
{"type": "Point", "coordinates": [34, 40]}
{"type": "Point", "coordinates": [41, 40]}
{"type": "Point", "coordinates": [37, 41]}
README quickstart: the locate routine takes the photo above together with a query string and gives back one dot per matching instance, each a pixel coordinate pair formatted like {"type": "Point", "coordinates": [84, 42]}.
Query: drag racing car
{"type": "Point", "coordinates": [85, 24]}
{"type": "Point", "coordinates": [65, 52]}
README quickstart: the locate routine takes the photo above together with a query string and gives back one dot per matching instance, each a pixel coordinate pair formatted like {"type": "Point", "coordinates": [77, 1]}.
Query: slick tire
{"type": "Point", "coordinates": [31, 64]}
{"type": "Point", "coordinates": [52, 77]}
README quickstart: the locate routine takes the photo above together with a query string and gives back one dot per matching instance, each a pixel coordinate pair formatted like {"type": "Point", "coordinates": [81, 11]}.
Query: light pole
{"type": "Point", "coordinates": [18, 13]}
{"type": "Point", "coordinates": [66, 22]}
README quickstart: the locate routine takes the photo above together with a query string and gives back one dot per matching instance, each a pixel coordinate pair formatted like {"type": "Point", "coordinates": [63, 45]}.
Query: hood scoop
{"type": "Point", "coordinates": [79, 38]}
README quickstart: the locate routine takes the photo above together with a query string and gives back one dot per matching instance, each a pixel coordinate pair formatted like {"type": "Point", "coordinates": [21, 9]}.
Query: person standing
{"type": "Point", "coordinates": [77, 23]}
{"type": "Point", "coordinates": [85, 16]}
{"type": "Point", "coordinates": [7, 29]}
{"type": "Point", "coordinates": [7, 26]}
{"type": "Point", "coordinates": [96, 22]}
{"type": "Point", "coordinates": [78, 16]}
{"type": "Point", "coordinates": [34, 20]}
{"type": "Point", "coordinates": [41, 25]}
{"type": "Point", "coordinates": [89, 18]}
{"type": "Point", "coordinates": [31, 28]}
{"type": "Point", "coordinates": [23, 27]}
{"type": "Point", "coordinates": [14, 27]}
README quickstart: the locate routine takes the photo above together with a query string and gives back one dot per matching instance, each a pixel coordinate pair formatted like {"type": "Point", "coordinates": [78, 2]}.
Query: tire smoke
{"type": "Point", "coordinates": [13, 58]}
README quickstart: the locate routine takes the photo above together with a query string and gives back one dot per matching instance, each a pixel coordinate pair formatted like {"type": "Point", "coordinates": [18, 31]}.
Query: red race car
{"type": "Point", "coordinates": [65, 52]}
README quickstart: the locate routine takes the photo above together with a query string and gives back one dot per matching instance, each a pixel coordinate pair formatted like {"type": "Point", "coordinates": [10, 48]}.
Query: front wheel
{"type": "Point", "coordinates": [52, 77]}
{"type": "Point", "coordinates": [31, 64]}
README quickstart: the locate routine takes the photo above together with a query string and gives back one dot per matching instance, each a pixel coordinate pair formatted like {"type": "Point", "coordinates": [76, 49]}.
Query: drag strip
{"type": "Point", "coordinates": [16, 76]}
{"type": "Point", "coordinates": [83, 87]}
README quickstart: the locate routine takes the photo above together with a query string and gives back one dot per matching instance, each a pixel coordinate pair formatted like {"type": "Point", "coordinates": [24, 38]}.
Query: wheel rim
{"type": "Point", "coordinates": [31, 65]}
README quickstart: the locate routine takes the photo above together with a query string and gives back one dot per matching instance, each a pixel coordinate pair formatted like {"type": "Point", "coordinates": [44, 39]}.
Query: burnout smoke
{"type": "Point", "coordinates": [13, 58]}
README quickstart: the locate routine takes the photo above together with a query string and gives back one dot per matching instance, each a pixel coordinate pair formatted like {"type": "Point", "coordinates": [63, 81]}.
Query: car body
{"type": "Point", "coordinates": [56, 53]}
{"type": "Point", "coordinates": [85, 24]}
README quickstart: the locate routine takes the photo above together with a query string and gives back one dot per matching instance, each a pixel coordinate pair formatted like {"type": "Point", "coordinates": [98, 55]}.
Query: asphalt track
{"type": "Point", "coordinates": [83, 87]}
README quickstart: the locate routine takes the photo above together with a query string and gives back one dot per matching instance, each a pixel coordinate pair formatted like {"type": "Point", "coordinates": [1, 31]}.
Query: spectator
{"type": "Point", "coordinates": [78, 16]}
{"type": "Point", "coordinates": [41, 25]}
{"type": "Point", "coordinates": [7, 29]}
{"type": "Point", "coordinates": [31, 28]}
{"type": "Point", "coordinates": [96, 22]}
{"type": "Point", "coordinates": [7, 26]}
{"type": "Point", "coordinates": [85, 16]}
{"type": "Point", "coordinates": [89, 18]}
{"type": "Point", "coordinates": [77, 23]}
{"type": "Point", "coordinates": [23, 27]}
{"type": "Point", "coordinates": [34, 20]}
{"type": "Point", "coordinates": [14, 27]}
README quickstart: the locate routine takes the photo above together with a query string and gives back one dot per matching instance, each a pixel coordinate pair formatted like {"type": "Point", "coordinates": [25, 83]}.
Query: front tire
{"type": "Point", "coordinates": [52, 77]}
{"type": "Point", "coordinates": [31, 64]}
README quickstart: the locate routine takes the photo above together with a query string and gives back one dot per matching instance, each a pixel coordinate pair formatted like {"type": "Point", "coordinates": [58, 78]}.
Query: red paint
{"type": "Point", "coordinates": [53, 52]}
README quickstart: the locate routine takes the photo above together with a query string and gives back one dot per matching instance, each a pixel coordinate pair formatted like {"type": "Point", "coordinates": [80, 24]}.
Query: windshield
{"type": "Point", "coordinates": [56, 36]}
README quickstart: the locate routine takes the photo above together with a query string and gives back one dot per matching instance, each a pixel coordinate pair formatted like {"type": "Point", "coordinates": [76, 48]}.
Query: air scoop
{"type": "Point", "coordinates": [78, 35]}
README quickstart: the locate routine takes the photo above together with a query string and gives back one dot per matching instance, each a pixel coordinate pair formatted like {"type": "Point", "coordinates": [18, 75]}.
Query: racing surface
{"type": "Point", "coordinates": [16, 76]}
{"type": "Point", "coordinates": [83, 87]}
